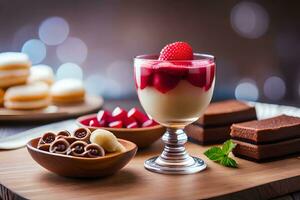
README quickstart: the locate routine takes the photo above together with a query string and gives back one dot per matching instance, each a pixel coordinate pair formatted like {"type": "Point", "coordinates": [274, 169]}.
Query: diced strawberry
{"type": "Point", "coordinates": [197, 76]}
{"type": "Point", "coordinates": [173, 68]}
{"type": "Point", "coordinates": [145, 78]}
{"type": "Point", "coordinates": [164, 82]}
{"type": "Point", "coordinates": [116, 124]}
{"type": "Point", "coordinates": [119, 114]}
{"type": "Point", "coordinates": [138, 115]}
{"type": "Point", "coordinates": [211, 77]}
{"type": "Point", "coordinates": [128, 120]}
{"type": "Point", "coordinates": [86, 122]}
{"type": "Point", "coordinates": [176, 51]}
{"type": "Point", "coordinates": [148, 123]}
{"type": "Point", "coordinates": [95, 123]}
{"type": "Point", "coordinates": [132, 125]}
{"type": "Point", "coordinates": [104, 115]}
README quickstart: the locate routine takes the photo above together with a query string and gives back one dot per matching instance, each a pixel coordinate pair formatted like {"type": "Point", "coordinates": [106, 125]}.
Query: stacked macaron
{"type": "Point", "coordinates": [27, 97]}
{"type": "Point", "coordinates": [26, 87]}
{"type": "Point", "coordinates": [41, 73]}
{"type": "Point", "coordinates": [14, 69]}
{"type": "Point", "coordinates": [67, 91]}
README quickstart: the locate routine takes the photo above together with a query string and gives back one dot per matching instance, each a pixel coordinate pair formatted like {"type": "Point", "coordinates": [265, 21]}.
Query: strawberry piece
{"type": "Point", "coordinates": [145, 77]}
{"type": "Point", "coordinates": [137, 115]}
{"type": "Point", "coordinates": [94, 122]}
{"type": "Point", "coordinates": [104, 115]}
{"type": "Point", "coordinates": [128, 120]}
{"type": "Point", "coordinates": [86, 122]}
{"type": "Point", "coordinates": [116, 124]}
{"type": "Point", "coordinates": [164, 82]}
{"type": "Point", "coordinates": [172, 68]}
{"type": "Point", "coordinates": [119, 114]}
{"type": "Point", "coordinates": [132, 125]}
{"type": "Point", "coordinates": [176, 51]}
{"type": "Point", "coordinates": [148, 123]}
{"type": "Point", "coordinates": [211, 77]}
{"type": "Point", "coordinates": [197, 76]}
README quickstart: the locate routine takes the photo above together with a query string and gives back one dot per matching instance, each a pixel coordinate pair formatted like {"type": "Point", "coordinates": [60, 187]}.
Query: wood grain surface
{"type": "Point", "coordinates": [21, 177]}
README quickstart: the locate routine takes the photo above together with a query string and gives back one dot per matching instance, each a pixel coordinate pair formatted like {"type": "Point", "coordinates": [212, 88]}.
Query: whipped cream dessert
{"type": "Point", "coordinates": [174, 88]}
{"type": "Point", "coordinates": [175, 93]}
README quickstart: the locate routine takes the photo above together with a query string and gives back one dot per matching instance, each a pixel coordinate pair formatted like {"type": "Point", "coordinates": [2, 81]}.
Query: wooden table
{"type": "Point", "coordinates": [21, 177]}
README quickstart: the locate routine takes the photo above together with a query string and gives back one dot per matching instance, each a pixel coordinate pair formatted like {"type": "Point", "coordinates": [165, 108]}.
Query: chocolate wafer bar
{"type": "Point", "coordinates": [270, 130]}
{"type": "Point", "coordinates": [225, 113]}
{"type": "Point", "coordinates": [214, 126]}
{"type": "Point", "coordinates": [266, 152]}
{"type": "Point", "coordinates": [207, 136]}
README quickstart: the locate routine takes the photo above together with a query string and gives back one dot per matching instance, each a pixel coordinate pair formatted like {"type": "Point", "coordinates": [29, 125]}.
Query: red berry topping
{"type": "Point", "coordinates": [116, 124]}
{"type": "Point", "coordinates": [174, 68]}
{"type": "Point", "coordinates": [137, 115]}
{"type": "Point", "coordinates": [176, 51]}
{"type": "Point", "coordinates": [197, 76]}
{"type": "Point", "coordinates": [210, 78]}
{"type": "Point", "coordinates": [119, 114]}
{"type": "Point", "coordinates": [164, 82]}
{"type": "Point", "coordinates": [145, 78]}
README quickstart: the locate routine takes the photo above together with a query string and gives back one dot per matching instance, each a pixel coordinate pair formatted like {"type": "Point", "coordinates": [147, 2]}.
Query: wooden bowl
{"type": "Point", "coordinates": [70, 166]}
{"type": "Point", "coordinates": [142, 137]}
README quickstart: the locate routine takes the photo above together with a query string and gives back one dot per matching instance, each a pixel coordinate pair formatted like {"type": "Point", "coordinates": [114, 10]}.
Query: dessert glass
{"type": "Point", "coordinates": [174, 93]}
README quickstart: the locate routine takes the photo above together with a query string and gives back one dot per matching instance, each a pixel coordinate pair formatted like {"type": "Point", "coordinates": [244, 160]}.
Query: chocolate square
{"type": "Point", "coordinates": [225, 113]}
{"type": "Point", "coordinates": [274, 129]}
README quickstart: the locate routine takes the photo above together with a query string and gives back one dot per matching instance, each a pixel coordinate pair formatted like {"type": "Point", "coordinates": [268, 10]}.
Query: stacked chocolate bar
{"type": "Point", "coordinates": [214, 126]}
{"type": "Point", "coordinates": [261, 140]}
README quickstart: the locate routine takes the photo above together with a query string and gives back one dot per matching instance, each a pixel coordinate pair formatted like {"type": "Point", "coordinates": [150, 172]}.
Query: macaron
{"type": "Point", "coordinates": [67, 91]}
{"type": "Point", "coordinates": [27, 97]}
{"type": "Point", "coordinates": [42, 73]}
{"type": "Point", "coordinates": [1, 96]}
{"type": "Point", "coordinates": [14, 69]}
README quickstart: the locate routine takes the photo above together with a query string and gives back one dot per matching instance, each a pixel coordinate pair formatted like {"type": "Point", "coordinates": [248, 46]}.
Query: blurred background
{"type": "Point", "coordinates": [256, 43]}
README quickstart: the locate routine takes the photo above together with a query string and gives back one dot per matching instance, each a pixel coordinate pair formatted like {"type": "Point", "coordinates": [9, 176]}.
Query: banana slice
{"type": "Point", "coordinates": [107, 140]}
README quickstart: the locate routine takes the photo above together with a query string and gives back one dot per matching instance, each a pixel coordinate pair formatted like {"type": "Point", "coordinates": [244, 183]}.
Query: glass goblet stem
{"type": "Point", "coordinates": [174, 158]}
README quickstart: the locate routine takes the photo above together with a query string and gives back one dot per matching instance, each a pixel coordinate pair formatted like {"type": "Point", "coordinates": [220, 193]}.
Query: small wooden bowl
{"type": "Point", "coordinates": [142, 137]}
{"type": "Point", "coordinates": [77, 167]}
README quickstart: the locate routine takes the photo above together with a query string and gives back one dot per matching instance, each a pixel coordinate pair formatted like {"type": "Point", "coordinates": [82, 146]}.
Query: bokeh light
{"type": "Point", "coordinates": [22, 35]}
{"type": "Point", "coordinates": [54, 30]}
{"type": "Point", "coordinates": [69, 70]}
{"type": "Point", "coordinates": [249, 19]}
{"type": "Point", "coordinates": [121, 71]}
{"type": "Point", "coordinates": [246, 90]}
{"type": "Point", "coordinates": [72, 50]}
{"type": "Point", "coordinates": [100, 85]}
{"type": "Point", "coordinates": [35, 49]}
{"type": "Point", "coordinates": [274, 88]}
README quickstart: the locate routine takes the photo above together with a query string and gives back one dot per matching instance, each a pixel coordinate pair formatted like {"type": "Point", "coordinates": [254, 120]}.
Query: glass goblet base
{"type": "Point", "coordinates": [174, 158]}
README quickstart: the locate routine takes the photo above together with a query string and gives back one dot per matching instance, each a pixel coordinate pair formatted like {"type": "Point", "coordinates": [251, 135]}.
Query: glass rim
{"type": "Point", "coordinates": [154, 57]}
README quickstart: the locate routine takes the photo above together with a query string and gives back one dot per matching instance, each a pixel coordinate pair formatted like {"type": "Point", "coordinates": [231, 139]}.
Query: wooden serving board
{"type": "Point", "coordinates": [21, 177]}
{"type": "Point", "coordinates": [53, 112]}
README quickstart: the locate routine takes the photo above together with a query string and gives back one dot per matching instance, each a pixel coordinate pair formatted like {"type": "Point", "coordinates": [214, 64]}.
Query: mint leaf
{"type": "Point", "coordinates": [221, 155]}
{"type": "Point", "coordinates": [214, 153]}
{"type": "Point", "coordinates": [228, 146]}
{"type": "Point", "coordinates": [228, 162]}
